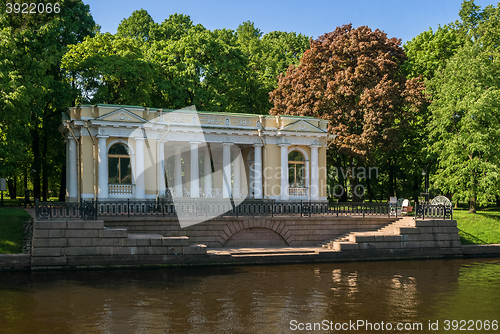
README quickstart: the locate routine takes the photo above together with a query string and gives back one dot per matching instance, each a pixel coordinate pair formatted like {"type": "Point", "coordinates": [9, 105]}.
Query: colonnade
{"type": "Point", "coordinates": [194, 189]}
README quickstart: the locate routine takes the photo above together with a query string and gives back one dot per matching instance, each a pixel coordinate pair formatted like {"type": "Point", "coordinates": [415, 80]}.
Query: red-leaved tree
{"type": "Point", "coordinates": [353, 78]}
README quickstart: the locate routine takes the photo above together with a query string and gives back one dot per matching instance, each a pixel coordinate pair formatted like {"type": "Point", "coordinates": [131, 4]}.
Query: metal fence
{"type": "Point", "coordinates": [92, 209]}
{"type": "Point", "coordinates": [433, 211]}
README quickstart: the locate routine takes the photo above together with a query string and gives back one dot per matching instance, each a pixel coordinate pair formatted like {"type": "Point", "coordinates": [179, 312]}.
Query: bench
{"type": "Point", "coordinates": [407, 209]}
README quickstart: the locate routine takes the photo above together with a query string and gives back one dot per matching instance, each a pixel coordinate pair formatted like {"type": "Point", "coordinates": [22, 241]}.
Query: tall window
{"type": "Point", "coordinates": [296, 170]}
{"type": "Point", "coordinates": [119, 168]}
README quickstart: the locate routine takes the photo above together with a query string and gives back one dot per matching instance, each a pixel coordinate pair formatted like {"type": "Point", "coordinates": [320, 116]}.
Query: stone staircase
{"type": "Point", "coordinates": [403, 233]}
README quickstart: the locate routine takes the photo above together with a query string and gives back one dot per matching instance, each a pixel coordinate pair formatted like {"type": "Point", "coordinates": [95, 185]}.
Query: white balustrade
{"type": "Point", "coordinates": [121, 189]}
{"type": "Point", "coordinates": [297, 192]}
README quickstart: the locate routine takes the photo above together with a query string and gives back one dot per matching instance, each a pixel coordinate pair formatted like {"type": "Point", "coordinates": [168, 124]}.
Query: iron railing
{"type": "Point", "coordinates": [440, 211]}
{"type": "Point", "coordinates": [165, 207]}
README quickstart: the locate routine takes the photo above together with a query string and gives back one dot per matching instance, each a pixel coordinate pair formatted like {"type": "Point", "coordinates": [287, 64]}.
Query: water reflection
{"type": "Point", "coordinates": [252, 299]}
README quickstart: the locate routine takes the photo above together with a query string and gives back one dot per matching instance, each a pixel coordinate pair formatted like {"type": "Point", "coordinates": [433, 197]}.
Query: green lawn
{"type": "Point", "coordinates": [482, 227]}
{"type": "Point", "coordinates": [11, 230]}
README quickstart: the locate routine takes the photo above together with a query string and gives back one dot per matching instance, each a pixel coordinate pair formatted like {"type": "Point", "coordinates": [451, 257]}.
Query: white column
{"type": "Point", "coordinates": [207, 177]}
{"type": "Point", "coordinates": [307, 178]}
{"type": "Point", "coordinates": [73, 171]}
{"type": "Point", "coordinates": [161, 162]}
{"type": "Point", "coordinates": [226, 170]}
{"type": "Point", "coordinates": [178, 172]}
{"type": "Point", "coordinates": [140, 184]}
{"type": "Point", "coordinates": [284, 172]}
{"type": "Point", "coordinates": [103, 168]}
{"type": "Point", "coordinates": [195, 172]}
{"type": "Point", "coordinates": [237, 172]}
{"type": "Point", "coordinates": [257, 175]}
{"type": "Point", "coordinates": [314, 173]}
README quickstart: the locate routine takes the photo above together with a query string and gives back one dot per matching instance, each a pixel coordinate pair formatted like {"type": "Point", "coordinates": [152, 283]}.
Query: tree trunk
{"type": "Point", "coordinates": [36, 167]}
{"type": "Point", "coordinates": [472, 202]}
{"type": "Point", "coordinates": [11, 183]}
{"type": "Point", "coordinates": [45, 172]}
{"type": "Point", "coordinates": [352, 179]}
{"type": "Point", "coordinates": [369, 190]}
{"type": "Point", "coordinates": [342, 180]}
{"type": "Point", "coordinates": [391, 178]}
{"type": "Point", "coordinates": [416, 185]}
{"type": "Point", "coordinates": [62, 190]}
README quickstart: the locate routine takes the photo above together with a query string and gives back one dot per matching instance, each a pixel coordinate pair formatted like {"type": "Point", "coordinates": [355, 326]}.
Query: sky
{"type": "Point", "coordinates": [397, 18]}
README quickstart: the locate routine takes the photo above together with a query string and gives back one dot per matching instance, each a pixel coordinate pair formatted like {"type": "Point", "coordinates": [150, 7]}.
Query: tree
{"type": "Point", "coordinates": [466, 126]}
{"type": "Point", "coordinates": [31, 78]}
{"type": "Point", "coordinates": [268, 56]}
{"type": "Point", "coordinates": [430, 51]}
{"type": "Point", "coordinates": [174, 28]}
{"type": "Point", "coordinates": [138, 25]}
{"type": "Point", "coordinates": [353, 78]}
{"type": "Point", "coordinates": [110, 69]}
{"type": "Point", "coordinates": [203, 68]}
{"type": "Point", "coordinates": [279, 51]}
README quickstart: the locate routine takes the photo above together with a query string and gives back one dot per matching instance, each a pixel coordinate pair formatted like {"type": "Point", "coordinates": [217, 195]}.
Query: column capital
{"type": "Point", "coordinates": [139, 138]}
{"type": "Point", "coordinates": [315, 146]}
{"type": "Point", "coordinates": [227, 144]}
{"type": "Point", "coordinates": [102, 136]}
{"type": "Point", "coordinates": [195, 142]}
{"type": "Point", "coordinates": [258, 145]}
{"type": "Point", "coordinates": [284, 144]}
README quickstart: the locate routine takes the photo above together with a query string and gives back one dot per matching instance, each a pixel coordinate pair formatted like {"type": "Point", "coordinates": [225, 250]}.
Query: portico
{"type": "Point", "coordinates": [126, 152]}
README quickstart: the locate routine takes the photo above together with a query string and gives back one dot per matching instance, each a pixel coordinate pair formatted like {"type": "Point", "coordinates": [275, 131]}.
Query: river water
{"type": "Point", "coordinates": [257, 299]}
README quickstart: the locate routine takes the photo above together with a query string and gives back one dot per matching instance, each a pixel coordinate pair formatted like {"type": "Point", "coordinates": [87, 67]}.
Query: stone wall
{"type": "Point", "coordinates": [432, 236]}
{"type": "Point", "coordinates": [78, 243]}
{"type": "Point", "coordinates": [219, 232]}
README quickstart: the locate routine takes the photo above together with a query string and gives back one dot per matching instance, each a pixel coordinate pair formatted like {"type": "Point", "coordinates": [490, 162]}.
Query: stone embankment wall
{"type": "Point", "coordinates": [279, 231]}
{"type": "Point", "coordinates": [139, 242]}
{"type": "Point", "coordinates": [77, 243]}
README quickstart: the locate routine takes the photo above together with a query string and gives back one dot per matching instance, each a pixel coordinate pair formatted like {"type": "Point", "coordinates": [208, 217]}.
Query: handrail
{"type": "Point", "coordinates": [90, 209]}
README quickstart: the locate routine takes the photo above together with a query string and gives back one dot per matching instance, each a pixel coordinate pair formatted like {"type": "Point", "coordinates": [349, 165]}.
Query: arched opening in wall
{"type": "Point", "coordinates": [256, 237]}
{"type": "Point", "coordinates": [119, 170]}
{"type": "Point", "coordinates": [296, 174]}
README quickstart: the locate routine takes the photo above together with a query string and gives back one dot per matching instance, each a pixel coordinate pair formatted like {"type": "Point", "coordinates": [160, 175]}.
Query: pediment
{"type": "Point", "coordinates": [302, 126]}
{"type": "Point", "coordinates": [122, 115]}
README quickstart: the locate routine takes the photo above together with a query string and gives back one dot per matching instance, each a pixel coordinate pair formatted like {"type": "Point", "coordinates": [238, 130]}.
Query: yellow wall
{"type": "Point", "coordinates": [271, 170]}
{"type": "Point", "coordinates": [87, 184]}
{"type": "Point", "coordinates": [150, 172]}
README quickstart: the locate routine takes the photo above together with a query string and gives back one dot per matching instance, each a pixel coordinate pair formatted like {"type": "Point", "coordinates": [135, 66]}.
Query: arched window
{"type": "Point", "coordinates": [296, 170]}
{"type": "Point", "coordinates": [119, 167]}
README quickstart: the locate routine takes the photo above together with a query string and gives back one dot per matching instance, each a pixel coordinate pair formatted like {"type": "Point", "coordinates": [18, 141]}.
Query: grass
{"type": "Point", "coordinates": [483, 227]}
{"type": "Point", "coordinates": [11, 230]}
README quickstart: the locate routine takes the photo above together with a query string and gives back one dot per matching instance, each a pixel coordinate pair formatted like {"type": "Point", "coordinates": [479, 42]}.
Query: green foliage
{"type": "Point", "coordinates": [33, 90]}
{"type": "Point", "coordinates": [109, 69]}
{"type": "Point", "coordinates": [268, 56]}
{"type": "Point", "coordinates": [173, 28]}
{"type": "Point", "coordinates": [430, 51]}
{"type": "Point", "coordinates": [138, 25]}
{"type": "Point", "coordinates": [466, 126]}
{"type": "Point", "coordinates": [203, 68]}
{"type": "Point", "coordinates": [280, 50]}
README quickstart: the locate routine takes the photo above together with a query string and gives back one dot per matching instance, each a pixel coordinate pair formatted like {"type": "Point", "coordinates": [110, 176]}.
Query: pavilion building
{"type": "Point", "coordinates": [129, 152]}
